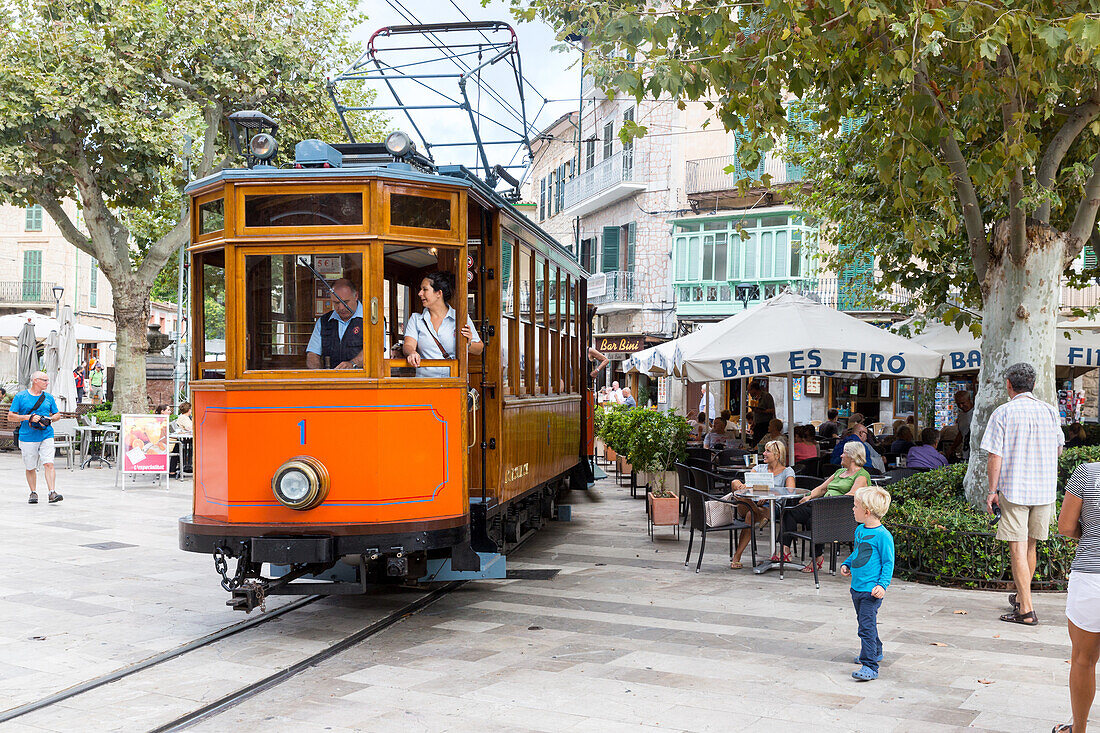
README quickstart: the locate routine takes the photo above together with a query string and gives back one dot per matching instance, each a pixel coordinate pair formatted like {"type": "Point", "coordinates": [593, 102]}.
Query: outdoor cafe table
{"type": "Point", "coordinates": [92, 437]}
{"type": "Point", "coordinates": [772, 496]}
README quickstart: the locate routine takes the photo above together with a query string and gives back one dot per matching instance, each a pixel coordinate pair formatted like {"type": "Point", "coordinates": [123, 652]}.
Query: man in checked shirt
{"type": "Point", "coordinates": [1023, 439]}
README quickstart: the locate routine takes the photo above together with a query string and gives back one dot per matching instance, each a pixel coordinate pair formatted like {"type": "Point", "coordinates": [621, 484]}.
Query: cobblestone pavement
{"type": "Point", "coordinates": [622, 638]}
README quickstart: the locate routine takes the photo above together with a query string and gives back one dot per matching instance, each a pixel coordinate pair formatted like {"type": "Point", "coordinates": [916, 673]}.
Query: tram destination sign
{"type": "Point", "coordinates": [627, 344]}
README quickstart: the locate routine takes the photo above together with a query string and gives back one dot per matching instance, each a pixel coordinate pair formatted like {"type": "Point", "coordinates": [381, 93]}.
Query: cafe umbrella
{"type": "Point", "coordinates": [791, 335]}
{"type": "Point", "coordinates": [28, 356]}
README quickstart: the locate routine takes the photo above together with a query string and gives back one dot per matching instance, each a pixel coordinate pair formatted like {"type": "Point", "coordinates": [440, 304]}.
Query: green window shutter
{"type": "Point", "coordinates": [855, 282]}
{"type": "Point", "coordinates": [34, 218]}
{"type": "Point", "coordinates": [631, 232]}
{"type": "Point", "coordinates": [800, 128]}
{"type": "Point", "coordinates": [93, 290]}
{"type": "Point", "coordinates": [610, 249]}
{"type": "Point", "coordinates": [32, 274]}
{"type": "Point", "coordinates": [741, 138]}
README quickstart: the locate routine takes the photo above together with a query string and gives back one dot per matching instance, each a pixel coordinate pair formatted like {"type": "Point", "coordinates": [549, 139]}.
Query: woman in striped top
{"type": "Point", "coordinates": [1080, 518]}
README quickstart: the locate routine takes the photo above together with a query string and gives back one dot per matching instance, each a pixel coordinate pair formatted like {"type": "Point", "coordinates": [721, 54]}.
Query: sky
{"type": "Point", "coordinates": [548, 76]}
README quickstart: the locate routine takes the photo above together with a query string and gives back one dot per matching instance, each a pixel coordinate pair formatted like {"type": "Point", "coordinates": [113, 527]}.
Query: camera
{"type": "Point", "coordinates": [41, 423]}
{"type": "Point", "coordinates": [996, 513]}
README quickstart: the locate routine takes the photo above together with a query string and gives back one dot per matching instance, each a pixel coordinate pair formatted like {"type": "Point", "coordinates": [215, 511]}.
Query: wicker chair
{"type": "Point", "coordinates": [697, 501]}
{"type": "Point", "coordinates": [831, 521]}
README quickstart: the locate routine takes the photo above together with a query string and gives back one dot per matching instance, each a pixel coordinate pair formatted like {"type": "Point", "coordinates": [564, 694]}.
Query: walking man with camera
{"type": "Point", "coordinates": [35, 411]}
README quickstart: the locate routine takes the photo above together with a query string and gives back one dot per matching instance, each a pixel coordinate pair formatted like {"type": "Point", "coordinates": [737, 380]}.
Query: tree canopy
{"type": "Point", "coordinates": [97, 98]}
{"type": "Point", "coordinates": [990, 109]}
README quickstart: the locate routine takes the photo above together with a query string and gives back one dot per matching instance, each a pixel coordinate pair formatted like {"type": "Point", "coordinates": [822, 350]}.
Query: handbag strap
{"type": "Point", "coordinates": [434, 338]}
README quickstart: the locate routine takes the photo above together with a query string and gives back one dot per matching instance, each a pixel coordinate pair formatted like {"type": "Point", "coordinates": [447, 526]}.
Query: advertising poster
{"type": "Point", "coordinates": [144, 444]}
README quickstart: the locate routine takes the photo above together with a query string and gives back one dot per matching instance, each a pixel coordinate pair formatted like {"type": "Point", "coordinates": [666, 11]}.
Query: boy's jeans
{"type": "Point", "coordinates": [870, 651]}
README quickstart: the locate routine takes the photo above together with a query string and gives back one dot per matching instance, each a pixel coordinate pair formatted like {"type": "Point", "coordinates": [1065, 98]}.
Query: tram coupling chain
{"type": "Point", "coordinates": [221, 565]}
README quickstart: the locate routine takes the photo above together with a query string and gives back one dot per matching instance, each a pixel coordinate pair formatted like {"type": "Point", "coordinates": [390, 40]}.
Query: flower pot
{"type": "Point", "coordinates": [664, 512]}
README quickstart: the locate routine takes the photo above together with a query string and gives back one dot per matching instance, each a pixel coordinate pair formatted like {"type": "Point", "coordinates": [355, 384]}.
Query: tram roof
{"type": "Point", "coordinates": [394, 171]}
{"type": "Point", "coordinates": [455, 175]}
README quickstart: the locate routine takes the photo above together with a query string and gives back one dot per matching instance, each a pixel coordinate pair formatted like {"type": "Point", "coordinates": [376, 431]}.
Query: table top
{"type": "Point", "coordinates": [772, 494]}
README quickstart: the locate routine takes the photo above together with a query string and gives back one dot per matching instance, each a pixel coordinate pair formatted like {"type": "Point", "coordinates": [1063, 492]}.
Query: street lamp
{"type": "Point", "coordinates": [58, 291]}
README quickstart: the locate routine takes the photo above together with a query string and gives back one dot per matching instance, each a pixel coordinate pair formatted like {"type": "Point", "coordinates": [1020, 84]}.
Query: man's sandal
{"type": "Point", "coordinates": [1062, 728]}
{"type": "Point", "coordinates": [1025, 619]}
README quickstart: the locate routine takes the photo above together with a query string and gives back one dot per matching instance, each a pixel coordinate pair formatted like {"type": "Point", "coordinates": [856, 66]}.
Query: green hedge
{"type": "Point", "coordinates": [940, 538]}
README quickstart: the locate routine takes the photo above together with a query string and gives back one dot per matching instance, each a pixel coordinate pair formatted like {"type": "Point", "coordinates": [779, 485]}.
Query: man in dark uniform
{"type": "Point", "coordinates": [337, 338]}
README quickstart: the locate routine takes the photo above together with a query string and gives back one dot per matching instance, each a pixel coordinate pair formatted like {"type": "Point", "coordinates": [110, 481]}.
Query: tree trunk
{"type": "Point", "coordinates": [131, 304]}
{"type": "Point", "coordinates": [1019, 322]}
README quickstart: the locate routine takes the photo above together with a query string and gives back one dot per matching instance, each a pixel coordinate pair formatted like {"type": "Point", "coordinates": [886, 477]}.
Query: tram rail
{"type": "Point", "coordinates": [241, 694]}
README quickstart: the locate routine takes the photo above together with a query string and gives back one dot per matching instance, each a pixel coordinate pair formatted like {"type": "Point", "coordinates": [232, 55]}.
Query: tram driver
{"type": "Point", "coordinates": [337, 338]}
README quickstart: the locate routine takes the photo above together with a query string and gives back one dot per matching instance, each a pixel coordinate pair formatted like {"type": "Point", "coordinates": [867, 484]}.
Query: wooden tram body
{"type": "Point", "coordinates": [417, 468]}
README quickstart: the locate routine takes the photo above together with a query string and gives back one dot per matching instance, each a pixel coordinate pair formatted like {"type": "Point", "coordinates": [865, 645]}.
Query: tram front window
{"type": "Point", "coordinates": [304, 311]}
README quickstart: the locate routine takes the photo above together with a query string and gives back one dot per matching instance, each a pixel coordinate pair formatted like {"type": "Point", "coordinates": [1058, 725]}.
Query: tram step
{"type": "Point", "coordinates": [493, 567]}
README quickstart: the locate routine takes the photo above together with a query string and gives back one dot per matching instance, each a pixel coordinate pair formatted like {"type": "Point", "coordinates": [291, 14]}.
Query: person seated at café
{"type": "Point", "coordinates": [860, 433]}
{"type": "Point", "coordinates": [851, 477]}
{"type": "Point", "coordinates": [717, 437]}
{"type": "Point", "coordinates": [184, 423]}
{"type": "Point", "coordinates": [805, 443]}
{"type": "Point", "coordinates": [775, 462]}
{"type": "Point", "coordinates": [628, 398]}
{"type": "Point", "coordinates": [830, 428]}
{"type": "Point", "coordinates": [698, 426]}
{"type": "Point", "coordinates": [924, 453]}
{"type": "Point", "coordinates": [903, 440]}
{"type": "Point", "coordinates": [775, 432]}
{"type": "Point", "coordinates": [1077, 436]}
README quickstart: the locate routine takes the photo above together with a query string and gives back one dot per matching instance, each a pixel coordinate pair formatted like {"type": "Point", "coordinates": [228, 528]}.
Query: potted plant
{"type": "Point", "coordinates": [658, 440]}
{"type": "Point", "coordinates": [664, 509]}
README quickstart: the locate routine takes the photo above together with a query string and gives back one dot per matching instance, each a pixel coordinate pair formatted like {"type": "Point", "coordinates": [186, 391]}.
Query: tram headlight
{"type": "Point", "coordinates": [263, 146]}
{"type": "Point", "coordinates": [301, 483]}
{"type": "Point", "coordinates": [399, 144]}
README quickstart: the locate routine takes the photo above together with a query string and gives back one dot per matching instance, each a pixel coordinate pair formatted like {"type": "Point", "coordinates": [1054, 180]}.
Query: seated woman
{"type": "Point", "coordinates": [430, 334]}
{"type": "Point", "coordinates": [775, 432]}
{"type": "Point", "coordinates": [903, 439]}
{"type": "Point", "coordinates": [924, 453]}
{"type": "Point", "coordinates": [805, 443]}
{"type": "Point", "coordinates": [775, 461]}
{"type": "Point", "coordinates": [851, 476]}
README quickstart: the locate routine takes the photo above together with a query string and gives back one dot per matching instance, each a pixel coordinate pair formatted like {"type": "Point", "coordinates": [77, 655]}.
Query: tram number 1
{"type": "Point", "coordinates": [302, 431]}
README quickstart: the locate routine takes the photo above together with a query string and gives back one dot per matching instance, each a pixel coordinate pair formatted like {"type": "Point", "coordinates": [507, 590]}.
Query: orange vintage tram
{"type": "Point", "coordinates": [367, 472]}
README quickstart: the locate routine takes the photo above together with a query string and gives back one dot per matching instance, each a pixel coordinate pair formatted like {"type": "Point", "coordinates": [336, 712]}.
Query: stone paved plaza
{"type": "Point", "coordinates": [623, 638]}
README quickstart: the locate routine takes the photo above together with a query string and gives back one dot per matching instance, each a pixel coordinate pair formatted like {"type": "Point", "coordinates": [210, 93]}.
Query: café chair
{"type": "Point", "coordinates": [697, 501]}
{"type": "Point", "coordinates": [831, 522]}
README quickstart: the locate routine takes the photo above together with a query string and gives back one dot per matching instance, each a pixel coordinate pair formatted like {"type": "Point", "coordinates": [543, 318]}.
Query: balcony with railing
{"type": "Point", "coordinates": [1087, 297]}
{"type": "Point", "coordinates": [708, 175]}
{"type": "Point", "coordinates": [608, 181]}
{"type": "Point", "coordinates": [720, 299]}
{"type": "Point", "coordinates": [25, 292]}
{"type": "Point", "coordinates": [612, 287]}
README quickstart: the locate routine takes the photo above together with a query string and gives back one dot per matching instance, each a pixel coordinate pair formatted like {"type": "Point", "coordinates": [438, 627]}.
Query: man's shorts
{"type": "Point", "coordinates": [1020, 522]}
{"type": "Point", "coordinates": [40, 451]}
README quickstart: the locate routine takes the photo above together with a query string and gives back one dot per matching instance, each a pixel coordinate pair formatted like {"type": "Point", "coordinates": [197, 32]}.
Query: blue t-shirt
{"type": "Point", "coordinates": [872, 561]}
{"type": "Point", "coordinates": [21, 404]}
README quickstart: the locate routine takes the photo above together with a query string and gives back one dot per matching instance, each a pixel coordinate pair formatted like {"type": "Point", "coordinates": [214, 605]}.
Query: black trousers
{"type": "Point", "coordinates": [799, 514]}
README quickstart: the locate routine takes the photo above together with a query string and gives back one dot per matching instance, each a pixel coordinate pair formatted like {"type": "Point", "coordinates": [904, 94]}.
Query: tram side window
{"type": "Point", "coordinates": [507, 310]}
{"type": "Point", "coordinates": [304, 311]}
{"type": "Point", "coordinates": [211, 265]}
{"type": "Point", "coordinates": [430, 274]}
{"type": "Point", "coordinates": [526, 343]}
